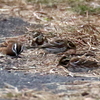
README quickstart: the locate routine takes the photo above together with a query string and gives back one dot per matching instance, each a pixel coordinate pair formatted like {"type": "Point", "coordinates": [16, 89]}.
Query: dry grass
{"type": "Point", "coordinates": [58, 21]}
{"type": "Point", "coordinates": [27, 94]}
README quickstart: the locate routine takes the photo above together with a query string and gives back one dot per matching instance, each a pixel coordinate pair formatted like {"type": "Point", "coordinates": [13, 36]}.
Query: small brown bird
{"type": "Point", "coordinates": [40, 39]}
{"type": "Point", "coordinates": [12, 49]}
{"type": "Point", "coordinates": [78, 64]}
{"type": "Point", "coordinates": [58, 46]}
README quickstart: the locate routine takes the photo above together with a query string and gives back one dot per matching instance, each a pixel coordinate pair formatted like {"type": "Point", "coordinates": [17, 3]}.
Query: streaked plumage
{"type": "Point", "coordinates": [39, 39]}
{"type": "Point", "coordinates": [77, 64]}
{"type": "Point", "coordinates": [58, 46]}
{"type": "Point", "coordinates": [12, 49]}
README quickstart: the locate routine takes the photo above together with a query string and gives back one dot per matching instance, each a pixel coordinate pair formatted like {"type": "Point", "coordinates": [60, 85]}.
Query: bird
{"type": "Point", "coordinates": [78, 64]}
{"type": "Point", "coordinates": [39, 39]}
{"type": "Point", "coordinates": [58, 46]}
{"type": "Point", "coordinates": [12, 49]}
{"type": "Point", "coordinates": [64, 60]}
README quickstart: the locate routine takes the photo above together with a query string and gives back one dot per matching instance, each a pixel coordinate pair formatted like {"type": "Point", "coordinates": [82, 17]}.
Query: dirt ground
{"type": "Point", "coordinates": [35, 75]}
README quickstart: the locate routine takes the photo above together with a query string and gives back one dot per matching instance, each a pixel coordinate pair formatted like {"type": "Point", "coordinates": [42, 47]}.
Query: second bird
{"type": "Point", "coordinates": [12, 49]}
{"type": "Point", "coordinates": [58, 46]}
